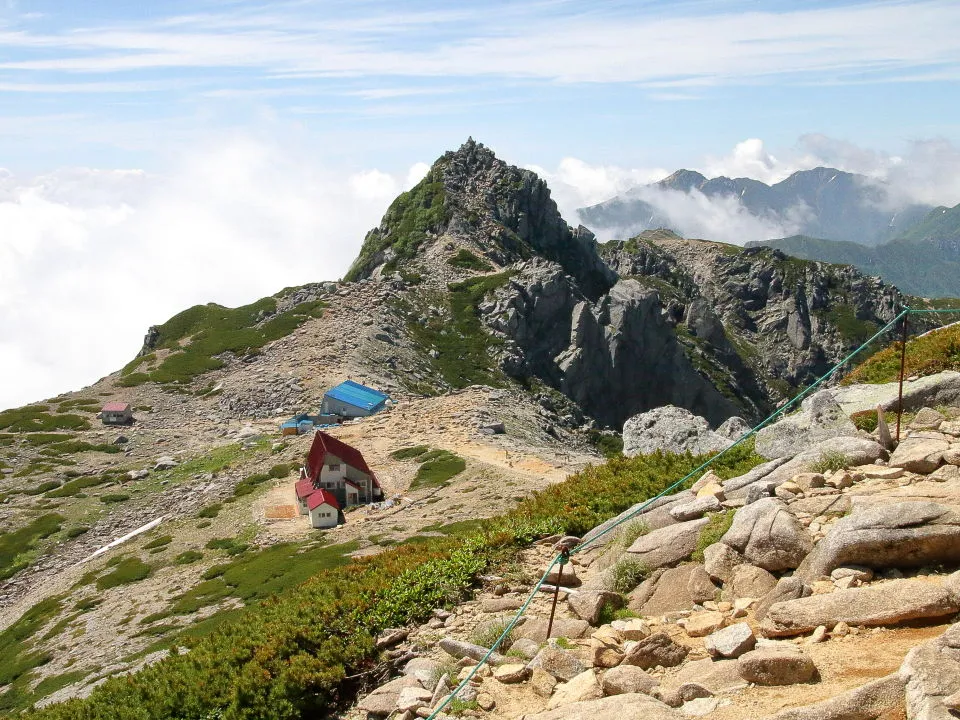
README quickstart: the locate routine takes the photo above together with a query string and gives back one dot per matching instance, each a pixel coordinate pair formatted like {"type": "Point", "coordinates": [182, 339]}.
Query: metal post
{"type": "Point", "coordinates": [903, 363]}
{"type": "Point", "coordinates": [564, 556]}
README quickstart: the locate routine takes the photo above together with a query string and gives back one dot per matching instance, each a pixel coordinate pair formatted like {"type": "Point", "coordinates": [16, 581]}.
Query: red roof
{"type": "Point", "coordinates": [304, 488]}
{"type": "Point", "coordinates": [319, 497]}
{"type": "Point", "coordinates": [323, 444]}
{"type": "Point", "coordinates": [116, 407]}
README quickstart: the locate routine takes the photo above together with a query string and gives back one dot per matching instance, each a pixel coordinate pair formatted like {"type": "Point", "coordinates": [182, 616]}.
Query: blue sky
{"type": "Point", "coordinates": [386, 83]}
{"type": "Point", "coordinates": [217, 150]}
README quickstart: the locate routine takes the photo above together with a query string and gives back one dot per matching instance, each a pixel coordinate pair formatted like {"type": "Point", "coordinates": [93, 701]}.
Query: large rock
{"type": "Point", "coordinates": [907, 534]}
{"type": "Point", "coordinates": [631, 705]}
{"type": "Point", "coordinates": [671, 429]}
{"type": "Point", "coordinates": [787, 588]}
{"type": "Point", "coordinates": [589, 604]}
{"type": "Point", "coordinates": [673, 589]}
{"type": "Point", "coordinates": [820, 418]}
{"type": "Point", "coordinates": [779, 665]}
{"type": "Point", "coordinates": [657, 649]}
{"type": "Point", "coordinates": [749, 581]}
{"type": "Point", "coordinates": [885, 604]}
{"type": "Point", "coordinates": [655, 514]}
{"type": "Point", "coordinates": [627, 679]}
{"type": "Point", "coordinates": [696, 509]}
{"type": "Point", "coordinates": [461, 649]}
{"type": "Point", "coordinates": [768, 535]}
{"type": "Point", "coordinates": [425, 670]}
{"type": "Point", "coordinates": [933, 390]}
{"type": "Point", "coordinates": [719, 560]}
{"type": "Point", "coordinates": [878, 700]}
{"type": "Point", "coordinates": [669, 545]}
{"type": "Point", "coordinates": [535, 628]}
{"type": "Point", "coordinates": [730, 642]}
{"type": "Point", "coordinates": [383, 701]}
{"type": "Point", "coordinates": [564, 665]}
{"type": "Point", "coordinates": [580, 688]}
{"type": "Point", "coordinates": [919, 455]}
{"type": "Point", "coordinates": [931, 672]}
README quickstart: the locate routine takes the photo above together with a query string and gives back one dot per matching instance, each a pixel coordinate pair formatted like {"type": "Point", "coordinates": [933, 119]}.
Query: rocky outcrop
{"type": "Point", "coordinates": [878, 700]}
{"type": "Point", "coordinates": [670, 429]}
{"type": "Point", "coordinates": [667, 546]}
{"type": "Point", "coordinates": [820, 418]}
{"type": "Point", "coordinates": [907, 534]}
{"type": "Point", "coordinates": [887, 604]}
{"type": "Point", "coordinates": [673, 589]}
{"type": "Point", "coordinates": [768, 535]}
{"type": "Point", "coordinates": [780, 665]}
{"type": "Point", "coordinates": [931, 673]}
{"type": "Point", "coordinates": [623, 706]}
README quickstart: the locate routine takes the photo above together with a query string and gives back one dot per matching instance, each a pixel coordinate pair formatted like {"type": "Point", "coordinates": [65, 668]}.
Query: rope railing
{"type": "Point", "coordinates": [563, 556]}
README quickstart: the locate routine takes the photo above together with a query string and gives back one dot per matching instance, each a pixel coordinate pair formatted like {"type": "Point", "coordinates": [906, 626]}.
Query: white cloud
{"type": "Point", "coordinates": [90, 258]}
{"type": "Point", "coordinates": [749, 159]}
{"type": "Point", "coordinates": [415, 174]}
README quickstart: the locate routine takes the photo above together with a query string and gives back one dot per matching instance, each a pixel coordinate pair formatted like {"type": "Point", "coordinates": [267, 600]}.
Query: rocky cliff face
{"type": "Point", "coordinates": [617, 329]}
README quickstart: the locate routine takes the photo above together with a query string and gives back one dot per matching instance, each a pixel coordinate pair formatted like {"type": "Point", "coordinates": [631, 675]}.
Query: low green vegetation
{"type": "Point", "coordinates": [77, 531]}
{"type": "Point", "coordinates": [112, 498]}
{"type": "Point", "coordinates": [413, 214]}
{"type": "Point", "coordinates": [828, 461]}
{"type": "Point", "coordinates": [128, 570]}
{"type": "Point", "coordinates": [608, 444]}
{"type": "Point", "coordinates": [43, 487]}
{"type": "Point", "coordinates": [410, 452]}
{"type": "Point", "coordinates": [487, 633]}
{"type": "Point", "coordinates": [187, 557]}
{"type": "Point", "coordinates": [716, 527]}
{"type": "Point", "coordinates": [467, 260]}
{"type": "Point", "coordinates": [926, 355]}
{"type": "Point", "coordinates": [18, 658]}
{"type": "Point", "coordinates": [210, 511]}
{"type": "Point", "coordinates": [461, 348]}
{"type": "Point", "coordinates": [852, 329]}
{"type": "Point", "coordinates": [437, 468]}
{"type": "Point", "coordinates": [76, 486]}
{"type": "Point", "coordinates": [158, 542]}
{"type": "Point", "coordinates": [249, 484]}
{"type": "Point", "coordinates": [16, 546]}
{"type": "Point", "coordinates": [288, 658]}
{"type": "Point", "coordinates": [37, 418]}
{"type": "Point", "coordinates": [195, 337]}
{"type": "Point", "coordinates": [626, 574]}
{"type": "Point", "coordinates": [282, 470]}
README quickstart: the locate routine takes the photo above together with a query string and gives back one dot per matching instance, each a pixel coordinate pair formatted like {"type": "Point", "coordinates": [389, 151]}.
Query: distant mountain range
{"type": "Point", "coordinates": [836, 217]}
{"type": "Point", "coordinates": [924, 261]}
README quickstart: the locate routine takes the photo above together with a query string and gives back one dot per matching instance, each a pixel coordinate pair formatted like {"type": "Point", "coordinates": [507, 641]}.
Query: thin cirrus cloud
{"type": "Point", "coordinates": [545, 41]}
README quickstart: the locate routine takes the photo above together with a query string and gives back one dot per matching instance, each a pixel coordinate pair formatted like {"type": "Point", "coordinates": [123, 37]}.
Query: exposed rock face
{"type": "Point", "coordinates": [622, 706]}
{"type": "Point", "coordinates": [673, 589]}
{"type": "Point", "coordinates": [627, 679]}
{"type": "Point", "coordinates": [887, 604]}
{"type": "Point", "coordinates": [908, 534]}
{"type": "Point", "coordinates": [919, 454]}
{"type": "Point", "coordinates": [768, 535]}
{"type": "Point", "coordinates": [820, 418]}
{"type": "Point", "coordinates": [657, 649]}
{"type": "Point", "coordinates": [731, 642]}
{"type": "Point", "coordinates": [931, 673]}
{"type": "Point", "coordinates": [879, 699]}
{"type": "Point", "coordinates": [776, 666]}
{"type": "Point", "coordinates": [671, 429]}
{"type": "Point", "coordinates": [669, 545]}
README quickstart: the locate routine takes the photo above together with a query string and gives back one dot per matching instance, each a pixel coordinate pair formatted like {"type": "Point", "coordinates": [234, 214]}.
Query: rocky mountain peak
{"type": "Point", "coordinates": [474, 199]}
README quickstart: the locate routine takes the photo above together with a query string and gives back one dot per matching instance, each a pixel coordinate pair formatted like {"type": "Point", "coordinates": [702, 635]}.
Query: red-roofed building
{"type": "Point", "coordinates": [116, 413]}
{"type": "Point", "coordinates": [323, 508]}
{"type": "Point", "coordinates": [334, 466]}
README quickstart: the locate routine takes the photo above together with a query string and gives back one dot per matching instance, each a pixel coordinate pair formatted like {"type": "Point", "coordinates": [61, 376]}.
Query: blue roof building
{"type": "Point", "coordinates": [350, 399]}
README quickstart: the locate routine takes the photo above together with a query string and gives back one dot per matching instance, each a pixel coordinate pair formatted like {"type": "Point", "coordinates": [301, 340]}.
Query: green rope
{"type": "Point", "coordinates": [506, 631]}
{"type": "Point", "coordinates": [746, 436]}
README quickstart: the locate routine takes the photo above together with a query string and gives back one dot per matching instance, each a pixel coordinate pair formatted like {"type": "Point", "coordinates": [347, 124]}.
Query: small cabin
{"type": "Point", "coordinates": [340, 469]}
{"type": "Point", "coordinates": [352, 400]}
{"type": "Point", "coordinates": [116, 413]}
{"type": "Point", "coordinates": [323, 508]}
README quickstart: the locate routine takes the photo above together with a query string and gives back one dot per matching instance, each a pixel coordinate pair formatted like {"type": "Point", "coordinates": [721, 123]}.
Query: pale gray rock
{"type": "Point", "coordinates": [820, 418]}
{"type": "Point", "coordinates": [877, 605]}
{"type": "Point", "coordinates": [749, 581]}
{"type": "Point", "coordinates": [907, 534]}
{"type": "Point", "coordinates": [883, 431]}
{"type": "Point", "coordinates": [696, 509]}
{"type": "Point", "coordinates": [564, 665]}
{"type": "Point", "coordinates": [525, 647]}
{"type": "Point", "coordinates": [733, 428]}
{"type": "Point", "coordinates": [779, 665]}
{"type": "Point", "coordinates": [931, 673]}
{"type": "Point", "coordinates": [669, 545]}
{"type": "Point", "coordinates": [627, 679]}
{"type": "Point", "coordinates": [787, 588]}
{"type": "Point", "coordinates": [673, 589]}
{"type": "Point", "coordinates": [535, 628]}
{"type": "Point", "coordinates": [739, 483]}
{"type": "Point", "coordinates": [919, 455]}
{"type": "Point", "coordinates": [629, 705]}
{"type": "Point", "coordinates": [671, 429]}
{"type": "Point", "coordinates": [655, 514]}
{"type": "Point", "coordinates": [719, 560]}
{"type": "Point", "coordinates": [383, 701]}
{"type": "Point", "coordinates": [730, 642]}
{"type": "Point", "coordinates": [933, 390]}
{"type": "Point", "coordinates": [588, 604]}
{"type": "Point", "coordinates": [412, 699]}
{"type": "Point", "coordinates": [461, 649]}
{"type": "Point", "coordinates": [425, 670]}
{"type": "Point", "coordinates": [926, 419]}
{"type": "Point", "coordinates": [578, 689]}
{"type": "Point", "coordinates": [877, 700]}
{"type": "Point", "coordinates": [768, 535]}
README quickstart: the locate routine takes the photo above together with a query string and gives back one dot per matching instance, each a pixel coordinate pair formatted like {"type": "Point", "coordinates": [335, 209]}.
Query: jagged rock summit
{"type": "Point", "coordinates": [504, 212]}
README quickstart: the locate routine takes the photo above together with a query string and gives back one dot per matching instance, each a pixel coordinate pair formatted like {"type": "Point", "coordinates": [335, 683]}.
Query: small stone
{"type": "Point", "coordinates": [631, 629]}
{"type": "Point", "coordinates": [512, 673]}
{"type": "Point", "coordinates": [486, 702]}
{"type": "Point", "coordinates": [819, 634]}
{"type": "Point", "coordinates": [412, 698]}
{"type": "Point", "coordinates": [840, 629]}
{"type": "Point", "coordinates": [580, 688]}
{"type": "Point", "coordinates": [952, 702]}
{"type": "Point", "coordinates": [542, 682]}
{"type": "Point", "coordinates": [808, 481]}
{"type": "Point", "coordinates": [700, 707]}
{"type": "Point", "coordinates": [525, 647]}
{"type": "Point", "coordinates": [702, 624]}
{"type": "Point", "coordinates": [778, 665]}
{"type": "Point", "coordinates": [711, 490]}
{"type": "Point", "coordinates": [847, 582]}
{"type": "Point", "coordinates": [605, 656]}
{"type": "Point", "coordinates": [863, 574]}
{"type": "Point", "coordinates": [693, 690]}
{"type": "Point", "coordinates": [561, 664]}
{"type": "Point", "coordinates": [627, 679]}
{"type": "Point", "coordinates": [730, 642]}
